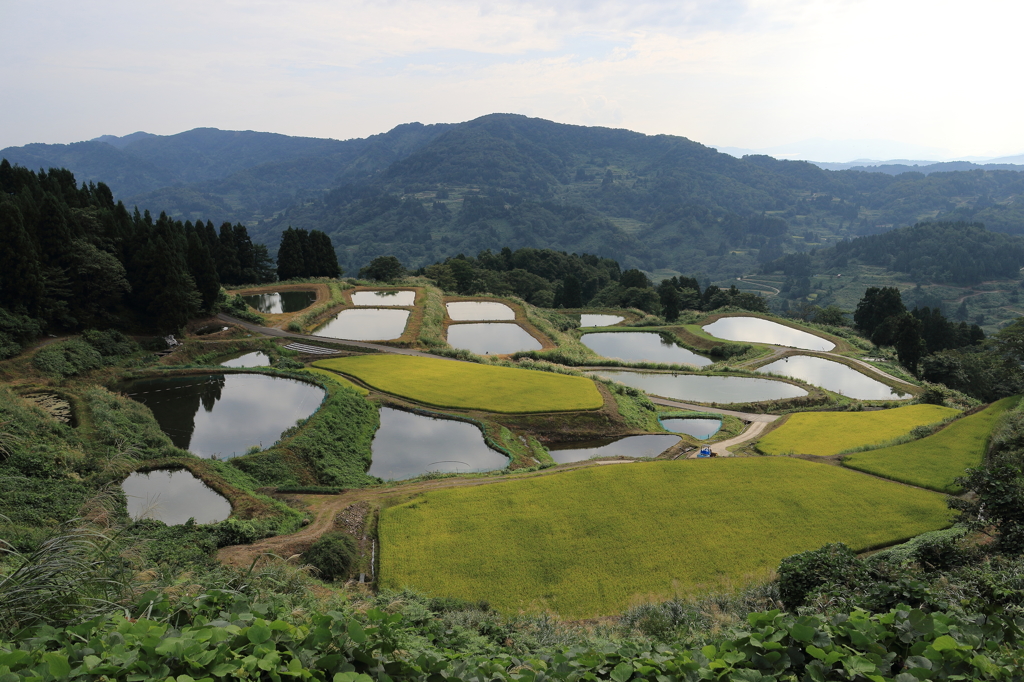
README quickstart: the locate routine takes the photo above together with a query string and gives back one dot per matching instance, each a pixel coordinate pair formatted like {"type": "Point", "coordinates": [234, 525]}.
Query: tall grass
{"type": "Point", "coordinates": [75, 573]}
{"type": "Point", "coordinates": [432, 326]}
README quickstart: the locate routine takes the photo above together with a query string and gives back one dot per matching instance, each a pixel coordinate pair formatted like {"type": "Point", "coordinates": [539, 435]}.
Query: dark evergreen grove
{"type": "Point", "coordinates": [73, 259]}
{"type": "Point", "coordinates": [306, 254]}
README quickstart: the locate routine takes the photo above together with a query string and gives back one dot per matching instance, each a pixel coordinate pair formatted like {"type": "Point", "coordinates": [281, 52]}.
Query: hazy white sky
{"type": "Point", "coordinates": [940, 78]}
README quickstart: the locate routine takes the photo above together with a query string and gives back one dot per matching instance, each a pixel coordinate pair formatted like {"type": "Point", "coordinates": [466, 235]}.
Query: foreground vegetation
{"type": "Point", "coordinates": [829, 433]}
{"type": "Point", "coordinates": [589, 542]}
{"type": "Point", "coordinates": [465, 385]}
{"type": "Point", "coordinates": [937, 460]}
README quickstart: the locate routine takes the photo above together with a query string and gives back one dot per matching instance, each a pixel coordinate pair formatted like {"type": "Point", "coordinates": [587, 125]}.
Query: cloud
{"type": "Point", "coordinates": [751, 73]}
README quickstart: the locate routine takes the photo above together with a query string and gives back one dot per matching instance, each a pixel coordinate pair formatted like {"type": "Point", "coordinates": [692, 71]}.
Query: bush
{"type": "Point", "coordinates": [67, 359]}
{"type": "Point", "coordinates": [332, 555]}
{"type": "Point", "coordinates": [800, 575]}
{"type": "Point", "coordinates": [110, 342]}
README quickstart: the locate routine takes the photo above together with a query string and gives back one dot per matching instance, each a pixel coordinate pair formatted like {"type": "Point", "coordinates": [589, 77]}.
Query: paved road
{"type": "Point", "coordinates": [271, 331]}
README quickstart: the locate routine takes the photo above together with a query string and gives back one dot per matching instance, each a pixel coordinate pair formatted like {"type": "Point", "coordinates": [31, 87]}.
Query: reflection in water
{"type": "Point", "coordinates": [173, 497]}
{"type": "Point", "coordinates": [630, 446]}
{"type": "Point", "coordinates": [833, 376]}
{"type": "Point", "coordinates": [254, 359]}
{"type": "Point", "coordinates": [701, 429]}
{"type": "Point", "coordinates": [366, 324]}
{"type": "Point", "coordinates": [225, 414]}
{"type": "Point", "coordinates": [705, 389]}
{"type": "Point", "coordinates": [756, 330]}
{"type": "Point", "coordinates": [407, 445]}
{"type": "Point", "coordinates": [491, 338]}
{"type": "Point", "coordinates": [386, 297]}
{"type": "Point", "coordinates": [479, 310]}
{"type": "Point", "coordinates": [641, 347]}
{"type": "Point", "coordinates": [281, 302]}
{"type": "Point", "coordinates": [595, 320]}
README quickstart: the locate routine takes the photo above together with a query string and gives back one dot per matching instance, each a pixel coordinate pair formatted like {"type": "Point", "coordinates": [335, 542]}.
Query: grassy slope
{"type": "Point", "coordinates": [934, 462]}
{"type": "Point", "coordinates": [590, 542]}
{"type": "Point", "coordinates": [465, 385]}
{"type": "Point", "coordinates": [829, 433]}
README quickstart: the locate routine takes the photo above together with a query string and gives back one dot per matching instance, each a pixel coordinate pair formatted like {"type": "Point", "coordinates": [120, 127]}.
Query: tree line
{"type": "Point", "coordinates": [73, 259]}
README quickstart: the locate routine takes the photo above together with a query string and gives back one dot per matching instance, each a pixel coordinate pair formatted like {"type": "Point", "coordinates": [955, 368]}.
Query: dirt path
{"type": "Point", "coordinates": [745, 416]}
{"type": "Point", "coordinates": [721, 448]}
{"type": "Point", "coordinates": [271, 331]}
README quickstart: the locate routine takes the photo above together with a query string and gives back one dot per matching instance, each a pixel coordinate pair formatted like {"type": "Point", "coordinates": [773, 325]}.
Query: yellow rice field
{"type": "Point", "coordinates": [829, 433]}
{"type": "Point", "coordinates": [594, 541]}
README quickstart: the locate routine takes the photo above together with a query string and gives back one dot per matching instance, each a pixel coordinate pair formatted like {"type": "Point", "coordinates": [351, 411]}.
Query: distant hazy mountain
{"type": "Point", "coordinates": [897, 166]}
{"type": "Point", "coordinates": [424, 193]}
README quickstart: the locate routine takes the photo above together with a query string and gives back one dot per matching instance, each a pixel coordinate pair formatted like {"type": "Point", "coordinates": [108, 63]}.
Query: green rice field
{"type": "Point", "coordinates": [935, 462]}
{"type": "Point", "coordinates": [829, 433]}
{"type": "Point", "coordinates": [468, 385]}
{"type": "Point", "coordinates": [593, 541]}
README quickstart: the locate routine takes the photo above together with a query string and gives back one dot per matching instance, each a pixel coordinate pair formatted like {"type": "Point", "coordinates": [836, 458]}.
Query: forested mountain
{"type": "Point", "coordinates": [427, 193]}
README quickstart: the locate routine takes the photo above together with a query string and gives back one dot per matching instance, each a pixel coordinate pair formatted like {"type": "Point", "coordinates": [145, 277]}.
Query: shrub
{"type": "Point", "coordinates": [332, 555]}
{"type": "Point", "coordinates": [800, 575]}
{"type": "Point", "coordinates": [67, 359]}
{"type": "Point", "coordinates": [110, 342]}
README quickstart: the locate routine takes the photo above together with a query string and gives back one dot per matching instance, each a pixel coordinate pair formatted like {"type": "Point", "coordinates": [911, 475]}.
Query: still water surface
{"type": "Point", "coordinates": [281, 302]}
{"type": "Point", "coordinates": [384, 298]}
{"type": "Point", "coordinates": [173, 497]}
{"type": "Point", "coordinates": [701, 429]}
{"type": "Point", "coordinates": [225, 414]}
{"type": "Point", "coordinates": [704, 389]}
{"type": "Point", "coordinates": [596, 320]}
{"type": "Point", "coordinates": [369, 324]}
{"type": "Point", "coordinates": [491, 338]}
{"type": "Point", "coordinates": [253, 359]}
{"type": "Point", "coordinates": [833, 376]}
{"type": "Point", "coordinates": [756, 330]}
{"type": "Point", "coordinates": [479, 310]}
{"type": "Point", "coordinates": [630, 446]}
{"type": "Point", "coordinates": [408, 445]}
{"type": "Point", "coordinates": [641, 347]}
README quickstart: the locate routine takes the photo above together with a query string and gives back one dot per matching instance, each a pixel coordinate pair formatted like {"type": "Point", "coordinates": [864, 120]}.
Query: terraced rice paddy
{"type": "Point", "coordinates": [935, 462]}
{"type": "Point", "coordinates": [467, 385]}
{"type": "Point", "coordinates": [829, 433]}
{"type": "Point", "coordinates": [591, 542]}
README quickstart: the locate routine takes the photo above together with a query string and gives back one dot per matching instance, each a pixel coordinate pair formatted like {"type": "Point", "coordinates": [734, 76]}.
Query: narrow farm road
{"type": "Point", "coordinates": [721, 448]}
{"type": "Point", "coordinates": [745, 416]}
{"type": "Point", "coordinates": [271, 331]}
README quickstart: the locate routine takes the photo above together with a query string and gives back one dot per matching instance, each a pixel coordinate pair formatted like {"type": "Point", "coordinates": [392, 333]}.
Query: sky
{"type": "Point", "coordinates": [847, 78]}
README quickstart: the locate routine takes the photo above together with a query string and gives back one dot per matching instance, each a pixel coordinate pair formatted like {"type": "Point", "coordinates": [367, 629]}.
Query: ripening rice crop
{"type": "Point", "coordinates": [829, 433]}
{"type": "Point", "coordinates": [592, 541]}
{"type": "Point", "coordinates": [935, 461]}
{"type": "Point", "coordinates": [468, 385]}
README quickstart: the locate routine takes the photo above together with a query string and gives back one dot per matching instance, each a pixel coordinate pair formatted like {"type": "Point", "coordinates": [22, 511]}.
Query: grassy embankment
{"type": "Point", "coordinates": [935, 461]}
{"type": "Point", "coordinates": [593, 541]}
{"type": "Point", "coordinates": [311, 318]}
{"type": "Point", "coordinates": [464, 385]}
{"type": "Point", "coordinates": [830, 433]}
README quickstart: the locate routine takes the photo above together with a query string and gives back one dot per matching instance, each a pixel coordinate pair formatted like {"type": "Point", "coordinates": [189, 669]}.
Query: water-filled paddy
{"type": "Point", "coordinates": [253, 359]}
{"type": "Point", "coordinates": [630, 446]}
{"type": "Point", "coordinates": [596, 320]}
{"type": "Point", "coordinates": [705, 389]}
{"type": "Point", "coordinates": [756, 330]}
{"type": "Point", "coordinates": [834, 376]}
{"type": "Point", "coordinates": [225, 414]}
{"type": "Point", "coordinates": [281, 301]}
{"type": "Point", "coordinates": [479, 310]}
{"type": "Point", "coordinates": [641, 347]}
{"type": "Point", "coordinates": [368, 324]}
{"type": "Point", "coordinates": [384, 298]}
{"type": "Point", "coordinates": [408, 445]}
{"type": "Point", "coordinates": [701, 429]}
{"type": "Point", "coordinates": [173, 497]}
{"type": "Point", "coordinates": [491, 338]}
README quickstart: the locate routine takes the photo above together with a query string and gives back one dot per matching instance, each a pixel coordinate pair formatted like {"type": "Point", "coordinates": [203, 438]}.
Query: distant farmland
{"type": "Point", "coordinates": [593, 541]}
